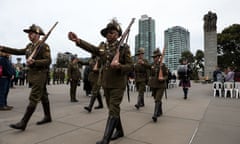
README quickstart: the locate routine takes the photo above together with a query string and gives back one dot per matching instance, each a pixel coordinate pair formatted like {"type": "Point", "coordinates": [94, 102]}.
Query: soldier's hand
{"type": "Point", "coordinates": [30, 61]}
{"type": "Point", "coordinates": [116, 65]}
{"type": "Point", "coordinates": [73, 37]}
{"type": "Point", "coordinates": [1, 47]}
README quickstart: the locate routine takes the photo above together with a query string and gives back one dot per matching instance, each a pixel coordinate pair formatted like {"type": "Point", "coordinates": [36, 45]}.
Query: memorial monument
{"type": "Point", "coordinates": [210, 44]}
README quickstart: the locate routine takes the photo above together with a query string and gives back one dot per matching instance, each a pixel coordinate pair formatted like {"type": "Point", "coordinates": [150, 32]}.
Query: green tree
{"type": "Point", "coordinates": [187, 55]}
{"type": "Point", "coordinates": [228, 47]}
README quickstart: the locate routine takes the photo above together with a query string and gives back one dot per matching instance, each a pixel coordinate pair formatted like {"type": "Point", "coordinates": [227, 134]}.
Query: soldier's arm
{"type": "Point", "coordinates": [83, 62]}
{"type": "Point", "coordinates": [13, 51]}
{"type": "Point", "coordinates": [165, 72]}
{"type": "Point", "coordinates": [88, 47]}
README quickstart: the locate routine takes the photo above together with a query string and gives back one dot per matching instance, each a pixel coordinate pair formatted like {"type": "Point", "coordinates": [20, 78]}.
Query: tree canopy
{"type": "Point", "coordinates": [228, 47]}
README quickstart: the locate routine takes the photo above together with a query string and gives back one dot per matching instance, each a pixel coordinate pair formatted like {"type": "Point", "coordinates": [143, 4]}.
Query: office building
{"type": "Point", "coordinates": [146, 36]}
{"type": "Point", "coordinates": [176, 41]}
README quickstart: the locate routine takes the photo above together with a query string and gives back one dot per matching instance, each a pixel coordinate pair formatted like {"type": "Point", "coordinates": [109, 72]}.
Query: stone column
{"type": "Point", "coordinates": [210, 44]}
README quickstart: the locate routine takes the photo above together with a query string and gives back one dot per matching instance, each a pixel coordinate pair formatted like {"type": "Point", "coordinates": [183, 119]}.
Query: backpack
{"type": "Point", "coordinates": [1, 70]}
{"type": "Point", "coordinates": [182, 71]}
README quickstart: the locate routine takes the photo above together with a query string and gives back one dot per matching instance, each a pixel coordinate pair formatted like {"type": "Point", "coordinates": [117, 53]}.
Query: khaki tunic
{"type": "Point", "coordinates": [37, 72]}
{"type": "Point", "coordinates": [157, 86]}
{"type": "Point", "coordinates": [141, 76]}
{"type": "Point", "coordinates": [114, 81]}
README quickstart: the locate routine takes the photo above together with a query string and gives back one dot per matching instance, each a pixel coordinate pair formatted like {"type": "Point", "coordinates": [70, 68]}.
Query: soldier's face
{"type": "Point", "coordinates": [112, 36]}
{"type": "Point", "coordinates": [33, 37]}
{"type": "Point", "coordinates": [156, 59]}
{"type": "Point", "coordinates": [140, 56]}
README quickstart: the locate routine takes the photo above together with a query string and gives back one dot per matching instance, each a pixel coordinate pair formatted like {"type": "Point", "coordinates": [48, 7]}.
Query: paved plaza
{"type": "Point", "coordinates": [201, 119]}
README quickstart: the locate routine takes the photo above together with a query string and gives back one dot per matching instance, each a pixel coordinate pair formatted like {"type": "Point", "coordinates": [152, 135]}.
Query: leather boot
{"type": "Point", "coordinates": [138, 102]}
{"type": "Point", "coordinates": [100, 103]}
{"type": "Point", "coordinates": [23, 123]}
{"type": "Point", "coordinates": [160, 110]}
{"type": "Point", "coordinates": [89, 107]}
{"type": "Point", "coordinates": [156, 109]}
{"type": "Point", "coordinates": [185, 91]}
{"type": "Point", "coordinates": [142, 104]}
{"type": "Point", "coordinates": [47, 114]}
{"type": "Point", "coordinates": [119, 131]}
{"type": "Point", "coordinates": [111, 124]}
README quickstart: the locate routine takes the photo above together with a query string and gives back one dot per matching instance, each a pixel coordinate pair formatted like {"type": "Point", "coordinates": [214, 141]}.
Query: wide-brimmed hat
{"type": "Point", "coordinates": [156, 53]}
{"type": "Point", "coordinates": [140, 51]}
{"type": "Point", "coordinates": [113, 25]}
{"type": "Point", "coordinates": [34, 28]}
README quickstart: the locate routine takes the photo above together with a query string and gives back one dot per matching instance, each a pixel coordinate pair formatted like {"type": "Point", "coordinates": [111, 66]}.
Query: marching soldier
{"type": "Point", "coordinates": [37, 75]}
{"type": "Point", "coordinates": [141, 76]}
{"type": "Point", "coordinates": [93, 77]}
{"type": "Point", "coordinates": [158, 86]}
{"type": "Point", "coordinates": [114, 77]}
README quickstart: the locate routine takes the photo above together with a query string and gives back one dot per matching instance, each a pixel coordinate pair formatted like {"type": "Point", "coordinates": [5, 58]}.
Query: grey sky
{"type": "Point", "coordinates": [88, 17]}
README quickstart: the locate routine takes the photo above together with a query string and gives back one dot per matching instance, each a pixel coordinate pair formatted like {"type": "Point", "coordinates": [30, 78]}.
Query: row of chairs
{"type": "Point", "coordinates": [223, 88]}
{"type": "Point", "coordinates": [132, 85]}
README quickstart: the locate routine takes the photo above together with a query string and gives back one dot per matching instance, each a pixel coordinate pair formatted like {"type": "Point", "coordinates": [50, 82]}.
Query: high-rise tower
{"type": "Point", "coordinates": [146, 36]}
{"type": "Point", "coordinates": [176, 41]}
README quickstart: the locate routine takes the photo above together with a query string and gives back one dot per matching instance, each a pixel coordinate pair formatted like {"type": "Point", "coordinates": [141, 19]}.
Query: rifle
{"type": "Point", "coordinates": [37, 47]}
{"type": "Point", "coordinates": [125, 35]}
{"type": "Point", "coordinates": [160, 75]}
{"type": "Point", "coordinates": [128, 92]}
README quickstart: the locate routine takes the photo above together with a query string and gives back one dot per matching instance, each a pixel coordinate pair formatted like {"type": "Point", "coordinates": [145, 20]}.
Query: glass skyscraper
{"type": "Point", "coordinates": [146, 36]}
{"type": "Point", "coordinates": [176, 41]}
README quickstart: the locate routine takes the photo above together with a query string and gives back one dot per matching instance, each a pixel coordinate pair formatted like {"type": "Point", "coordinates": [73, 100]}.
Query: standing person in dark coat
{"type": "Point", "coordinates": [7, 73]}
{"type": "Point", "coordinates": [37, 75]}
{"type": "Point", "coordinates": [141, 77]}
{"type": "Point", "coordinates": [184, 72]}
{"type": "Point", "coordinates": [114, 77]}
{"type": "Point", "coordinates": [87, 87]}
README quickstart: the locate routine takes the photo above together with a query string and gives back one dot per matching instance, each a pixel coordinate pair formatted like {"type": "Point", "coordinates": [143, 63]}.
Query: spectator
{"type": "Point", "coordinates": [229, 75]}
{"type": "Point", "coordinates": [218, 75]}
{"type": "Point", "coordinates": [5, 78]}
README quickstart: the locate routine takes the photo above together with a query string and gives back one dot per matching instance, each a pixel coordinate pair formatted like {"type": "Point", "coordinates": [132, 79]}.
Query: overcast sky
{"type": "Point", "coordinates": [88, 17]}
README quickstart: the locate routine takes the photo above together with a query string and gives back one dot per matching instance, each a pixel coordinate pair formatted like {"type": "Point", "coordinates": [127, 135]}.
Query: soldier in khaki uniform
{"type": "Point", "coordinates": [93, 77]}
{"type": "Point", "coordinates": [114, 78]}
{"type": "Point", "coordinates": [37, 75]}
{"type": "Point", "coordinates": [74, 76]}
{"type": "Point", "coordinates": [158, 86]}
{"type": "Point", "coordinates": [141, 76]}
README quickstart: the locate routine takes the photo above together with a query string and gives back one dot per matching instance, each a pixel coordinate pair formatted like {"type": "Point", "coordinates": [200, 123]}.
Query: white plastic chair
{"type": "Point", "coordinates": [237, 89]}
{"type": "Point", "coordinates": [172, 84]}
{"type": "Point", "coordinates": [132, 86]}
{"type": "Point", "coordinates": [228, 86]}
{"type": "Point", "coordinates": [217, 87]}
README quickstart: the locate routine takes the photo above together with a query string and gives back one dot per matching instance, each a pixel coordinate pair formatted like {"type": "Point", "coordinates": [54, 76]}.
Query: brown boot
{"type": "Point", "coordinates": [47, 115]}
{"type": "Point", "coordinates": [23, 123]}
{"type": "Point", "coordinates": [111, 124]}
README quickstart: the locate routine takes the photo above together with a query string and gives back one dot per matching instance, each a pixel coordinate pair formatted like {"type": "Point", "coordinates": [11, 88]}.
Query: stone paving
{"type": "Point", "coordinates": [201, 119]}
